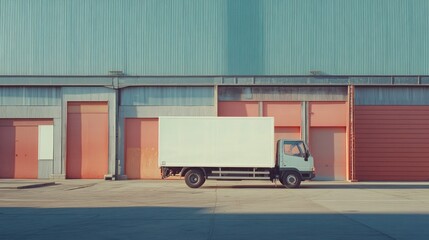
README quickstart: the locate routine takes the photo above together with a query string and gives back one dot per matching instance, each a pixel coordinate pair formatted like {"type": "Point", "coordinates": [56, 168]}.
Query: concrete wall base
{"type": "Point", "coordinates": [121, 177]}
{"type": "Point", "coordinates": [109, 177]}
{"type": "Point", "coordinates": [57, 176]}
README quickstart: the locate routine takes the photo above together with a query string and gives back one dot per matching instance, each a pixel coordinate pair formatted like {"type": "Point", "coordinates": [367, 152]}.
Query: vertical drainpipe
{"type": "Point", "coordinates": [118, 97]}
{"type": "Point", "coordinates": [352, 177]}
{"type": "Point", "coordinates": [216, 100]}
{"type": "Point", "coordinates": [304, 122]}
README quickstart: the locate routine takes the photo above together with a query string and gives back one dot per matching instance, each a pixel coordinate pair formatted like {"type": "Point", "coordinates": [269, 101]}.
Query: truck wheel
{"type": "Point", "coordinates": [194, 178]}
{"type": "Point", "coordinates": [291, 180]}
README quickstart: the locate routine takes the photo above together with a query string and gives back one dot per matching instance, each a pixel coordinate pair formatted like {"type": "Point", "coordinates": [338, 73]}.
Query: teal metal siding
{"type": "Point", "coordinates": [30, 96]}
{"type": "Point", "coordinates": [214, 37]}
{"type": "Point", "coordinates": [279, 93]}
{"type": "Point", "coordinates": [347, 36]}
{"type": "Point", "coordinates": [167, 96]}
{"type": "Point", "coordinates": [392, 96]}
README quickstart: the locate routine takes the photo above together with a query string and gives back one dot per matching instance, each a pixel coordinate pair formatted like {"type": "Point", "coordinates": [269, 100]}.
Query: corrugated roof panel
{"type": "Point", "coordinates": [214, 37]}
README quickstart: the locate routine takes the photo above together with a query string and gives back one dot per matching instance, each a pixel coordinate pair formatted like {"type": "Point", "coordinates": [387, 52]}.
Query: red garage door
{"type": "Point", "coordinates": [87, 140]}
{"type": "Point", "coordinates": [141, 148]}
{"type": "Point", "coordinates": [19, 148]}
{"type": "Point", "coordinates": [391, 143]}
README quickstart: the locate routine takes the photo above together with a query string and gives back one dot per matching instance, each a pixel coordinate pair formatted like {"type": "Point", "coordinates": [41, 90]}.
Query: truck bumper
{"type": "Point", "coordinates": [308, 175]}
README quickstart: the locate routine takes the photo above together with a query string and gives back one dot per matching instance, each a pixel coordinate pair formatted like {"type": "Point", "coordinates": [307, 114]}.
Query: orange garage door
{"type": "Point", "coordinates": [87, 140]}
{"type": "Point", "coordinates": [391, 143]}
{"type": "Point", "coordinates": [141, 148]}
{"type": "Point", "coordinates": [19, 148]}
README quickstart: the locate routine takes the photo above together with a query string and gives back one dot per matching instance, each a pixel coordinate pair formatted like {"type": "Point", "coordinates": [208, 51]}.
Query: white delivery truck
{"type": "Point", "coordinates": [230, 148]}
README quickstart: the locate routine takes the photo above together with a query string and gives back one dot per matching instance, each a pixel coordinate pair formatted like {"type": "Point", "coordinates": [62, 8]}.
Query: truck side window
{"type": "Point", "coordinates": [293, 149]}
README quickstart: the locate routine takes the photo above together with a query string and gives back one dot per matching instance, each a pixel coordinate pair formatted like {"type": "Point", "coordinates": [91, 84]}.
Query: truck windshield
{"type": "Point", "coordinates": [294, 148]}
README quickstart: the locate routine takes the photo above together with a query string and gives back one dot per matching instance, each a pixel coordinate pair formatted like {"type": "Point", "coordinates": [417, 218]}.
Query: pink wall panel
{"type": "Point", "coordinates": [141, 148]}
{"type": "Point", "coordinates": [328, 147]}
{"type": "Point", "coordinates": [286, 114]}
{"type": "Point", "coordinates": [238, 109]}
{"type": "Point", "coordinates": [328, 114]}
{"type": "Point", "coordinates": [287, 133]}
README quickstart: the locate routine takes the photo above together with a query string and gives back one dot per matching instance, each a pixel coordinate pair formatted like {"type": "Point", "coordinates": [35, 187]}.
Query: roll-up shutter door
{"type": "Point", "coordinates": [392, 143]}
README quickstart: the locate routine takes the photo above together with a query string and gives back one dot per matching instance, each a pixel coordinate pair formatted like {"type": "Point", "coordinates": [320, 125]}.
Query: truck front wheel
{"type": "Point", "coordinates": [194, 178]}
{"type": "Point", "coordinates": [291, 180]}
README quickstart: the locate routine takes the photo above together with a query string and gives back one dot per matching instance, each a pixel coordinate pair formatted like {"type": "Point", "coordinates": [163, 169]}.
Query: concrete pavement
{"type": "Point", "coordinates": [97, 209]}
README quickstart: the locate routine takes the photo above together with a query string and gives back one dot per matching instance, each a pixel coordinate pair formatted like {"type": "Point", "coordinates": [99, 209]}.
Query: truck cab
{"type": "Point", "coordinates": [294, 162]}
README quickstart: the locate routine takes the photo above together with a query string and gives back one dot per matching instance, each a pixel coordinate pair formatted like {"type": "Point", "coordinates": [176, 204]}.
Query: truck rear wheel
{"type": "Point", "coordinates": [194, 178]}
{"type": "Point", "coordinates": [291, 180]}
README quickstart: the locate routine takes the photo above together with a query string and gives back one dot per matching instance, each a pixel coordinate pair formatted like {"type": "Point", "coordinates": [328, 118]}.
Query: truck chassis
{"type": "Point", "coordinates": [196, 176]}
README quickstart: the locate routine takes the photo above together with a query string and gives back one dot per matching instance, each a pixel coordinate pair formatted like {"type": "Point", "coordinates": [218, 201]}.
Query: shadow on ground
{"type": "Point", "coordinates": [202, 223]}
{"type": "Point", "coordinates": [367, 186]}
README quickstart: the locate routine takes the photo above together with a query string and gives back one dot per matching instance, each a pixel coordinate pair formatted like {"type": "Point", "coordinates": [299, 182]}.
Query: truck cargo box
{"type": "Point", "coordinates": [216, 142]}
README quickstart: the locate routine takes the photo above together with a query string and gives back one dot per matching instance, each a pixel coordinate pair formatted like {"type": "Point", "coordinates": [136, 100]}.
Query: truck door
{"type": "Point", "coordinates": [293, 155]}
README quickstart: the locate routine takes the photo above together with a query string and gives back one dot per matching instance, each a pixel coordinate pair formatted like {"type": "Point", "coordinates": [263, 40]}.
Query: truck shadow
{"type": "Point", "coordinates": [245, 187]}
{"type": "Point", "coordinates": [321, 185]}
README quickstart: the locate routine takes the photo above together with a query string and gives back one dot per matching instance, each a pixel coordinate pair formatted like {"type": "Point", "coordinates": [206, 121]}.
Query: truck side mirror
{"type": "Point", "coordinates": [307, 154]}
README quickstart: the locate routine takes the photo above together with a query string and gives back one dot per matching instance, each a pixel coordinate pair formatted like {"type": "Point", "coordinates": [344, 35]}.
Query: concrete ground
{"type": "Point", "coordinates": [97, 209]}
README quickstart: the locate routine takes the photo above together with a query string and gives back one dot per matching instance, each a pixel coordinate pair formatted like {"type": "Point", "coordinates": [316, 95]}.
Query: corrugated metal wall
{"type": "Point", "coordinates": [216, 37]}
{"type": "Point", "coordinates": [282, 93]}
{"type": "Point", "coordinates": [392, 95]}
{"type": "Point", "coordinates": [30, 96]}
{"type": "Point", "coordinates": [168, 96]}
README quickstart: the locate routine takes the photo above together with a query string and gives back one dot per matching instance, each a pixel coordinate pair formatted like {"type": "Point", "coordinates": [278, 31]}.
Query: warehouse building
{"type": "Point", "coordinates": [83, 83]}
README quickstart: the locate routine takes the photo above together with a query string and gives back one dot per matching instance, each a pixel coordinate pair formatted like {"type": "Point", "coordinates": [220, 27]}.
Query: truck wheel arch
{"type": "Point", "coordinates": [187, 169]}
{"type": "Point", "coordinates": [288, 170]}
